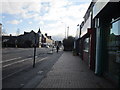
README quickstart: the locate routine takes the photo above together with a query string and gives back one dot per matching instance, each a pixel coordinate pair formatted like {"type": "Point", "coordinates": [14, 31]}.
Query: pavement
{"type": "Point", "coordinates": [71, 72]}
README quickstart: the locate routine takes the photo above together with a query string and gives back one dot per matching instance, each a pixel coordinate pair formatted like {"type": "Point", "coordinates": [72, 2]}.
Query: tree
{"type": "Point", "coordinates": [68, 43]}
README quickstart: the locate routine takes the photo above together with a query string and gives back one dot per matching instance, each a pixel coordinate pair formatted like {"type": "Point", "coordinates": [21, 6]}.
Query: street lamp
{"type": "Point", "coordinates": [0, 28]}
{"type": "Point", "coordinates": [65, 29]}
{"type": "Point", "coordinates": [34, 50]}
{"type": "Point", "coordinates": [78, 33]}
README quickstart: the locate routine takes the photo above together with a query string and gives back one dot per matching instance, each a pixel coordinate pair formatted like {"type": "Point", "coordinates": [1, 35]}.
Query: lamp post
{"type": "Point", "coordinates": [77, 31]}
{"type": "Point", "coordinates": [80, 32]}
{"type": "Point", "coordinates": [34, 51]}
{"type": "Point", "coordinates": [0, 28]}
{"type": "Point", "coordinates": [65, 29]}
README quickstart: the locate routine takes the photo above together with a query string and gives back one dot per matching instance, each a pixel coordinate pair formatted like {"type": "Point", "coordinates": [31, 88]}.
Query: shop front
{"type": "Point", "coordinates": [113, 51]}
{"type": "Point", "coordinates": [107, 24]}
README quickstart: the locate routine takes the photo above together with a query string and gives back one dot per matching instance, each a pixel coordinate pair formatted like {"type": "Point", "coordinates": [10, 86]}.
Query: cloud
{"type": "Point", "coordinates": [14, 21]}
{"type": "Point", "coordinates": [58, 37]}
{"type": "Point", "coordinates": [63, 17]}
{"type": "Point", "coordinates": [41, 23]}
{"type": "Point", "coordinates": [52, 15]}
{"type": "Point", "coordinates": [24, 9]}
{"type": "Point", "coordinates": [30, 22]}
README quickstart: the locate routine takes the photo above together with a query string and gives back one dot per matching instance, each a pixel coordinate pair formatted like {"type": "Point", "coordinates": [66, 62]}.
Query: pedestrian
{"type": "Point", "coordinates": [57, 48]}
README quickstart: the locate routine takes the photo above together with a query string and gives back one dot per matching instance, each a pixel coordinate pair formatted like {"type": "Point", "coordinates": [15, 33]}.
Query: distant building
{"type": "Point", "coordinates": [58, 43]}
{"type": "Point", "coordinates": [28, 39]}
{"type": "Point", "coordinates": [9, 41]}
{"type": "Point", "coordinates": [48, 39]}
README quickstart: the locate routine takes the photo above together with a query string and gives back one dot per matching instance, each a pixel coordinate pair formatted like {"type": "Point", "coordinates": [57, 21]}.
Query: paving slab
{"type": "Point", "coordinates": [71, 72]}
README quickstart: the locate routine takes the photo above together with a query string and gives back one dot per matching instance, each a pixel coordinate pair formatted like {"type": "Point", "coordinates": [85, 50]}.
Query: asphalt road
{"type": "Point", "coordinates": [17, 66]}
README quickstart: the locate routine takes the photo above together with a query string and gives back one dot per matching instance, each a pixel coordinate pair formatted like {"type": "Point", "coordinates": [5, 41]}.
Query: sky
{"type": "Point", "coordinates": [51, 16]}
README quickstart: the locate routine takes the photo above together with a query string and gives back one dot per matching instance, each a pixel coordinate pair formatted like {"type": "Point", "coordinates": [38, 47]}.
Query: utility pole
{"type": "Point", "coordinates": [80, 32]}
{"type": "Point", "coordinates": [0, 29]}
{"type": "Point", "coordinates": [67, 31]}
{"type": "Point", "coordinates": [34, 51]}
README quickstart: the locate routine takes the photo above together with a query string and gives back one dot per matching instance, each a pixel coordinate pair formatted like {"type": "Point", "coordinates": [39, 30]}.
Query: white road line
{"type": "Point", "coordinates": [24, 49]}
{"type": "Point", "coordinates": [22, 69]}
{"type": "Point", "coordinates": [17, 62]}
{"type": "Point", "coordinates": [14, 73]}
{"type": "Point", "coordinates": [42, 59]}
{"type": "Point", "coordinates": [10, 59]}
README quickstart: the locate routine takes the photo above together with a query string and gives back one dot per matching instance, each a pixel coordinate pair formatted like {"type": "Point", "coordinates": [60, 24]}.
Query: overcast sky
{"type": "Point", "coordinates": [51, 16]}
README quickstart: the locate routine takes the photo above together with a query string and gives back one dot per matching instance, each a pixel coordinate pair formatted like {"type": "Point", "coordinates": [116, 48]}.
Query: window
{"type": "Point", "coordinates": [114, 40]}
{"type": "Point", "coordinates": [114, 50]}
{"type": "Point", "coordinates": [86, 45]}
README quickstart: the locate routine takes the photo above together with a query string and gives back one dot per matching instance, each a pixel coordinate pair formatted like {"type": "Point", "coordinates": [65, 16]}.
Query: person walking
{"type": "Point", "coordinates": [57, 48]}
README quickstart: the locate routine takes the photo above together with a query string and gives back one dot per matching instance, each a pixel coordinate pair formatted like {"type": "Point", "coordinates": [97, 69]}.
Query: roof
{"type": "Point", "coordinates": [39, 31]}
{"type": "Point", "coordinates": [89, 9]}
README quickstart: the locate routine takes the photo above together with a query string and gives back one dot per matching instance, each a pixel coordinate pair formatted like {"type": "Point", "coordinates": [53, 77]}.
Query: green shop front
{"type": "Point", "coordinates": [106, 17]}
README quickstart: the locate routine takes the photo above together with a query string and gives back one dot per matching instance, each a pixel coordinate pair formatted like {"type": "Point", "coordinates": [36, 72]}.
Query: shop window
{"type": "Point", "coordinates": [114, 50]}
{"type": "Point", "coordinates": [86, 45]}
{"type": "Point", "coordinates": [114, 40]}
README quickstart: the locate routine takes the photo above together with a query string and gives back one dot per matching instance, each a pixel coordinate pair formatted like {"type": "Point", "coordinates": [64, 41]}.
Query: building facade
{"type": "Point", "coordinates": [100, 39]}
{"type": "Point", "coordinates": [106, 19]}
{"type": "Point", "coordinates": [0, 35]}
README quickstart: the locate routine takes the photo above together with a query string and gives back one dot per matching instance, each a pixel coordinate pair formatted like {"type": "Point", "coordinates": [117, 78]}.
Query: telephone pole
{"type": "Point", "coordinates": [67, 31]}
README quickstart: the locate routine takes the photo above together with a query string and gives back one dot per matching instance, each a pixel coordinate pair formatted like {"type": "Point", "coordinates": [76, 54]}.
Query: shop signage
{"type": "Point", "coordinates": [99, 6]}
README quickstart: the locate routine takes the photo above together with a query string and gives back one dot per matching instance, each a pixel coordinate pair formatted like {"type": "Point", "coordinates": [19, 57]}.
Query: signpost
{"type": "Point", "coordinates": [34, 51]}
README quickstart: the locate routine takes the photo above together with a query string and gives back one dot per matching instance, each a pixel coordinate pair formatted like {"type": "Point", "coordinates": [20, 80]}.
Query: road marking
{"type": "Point", "coordinates": [40, 72]}
{"type": "Point", "coordinates": [23, 69]}
{"type": "Point", "coordinates": [10, 60]}
{"type": "Point", "coordinates": [24, 48]}
{"type": "Point", "coordinates": [42, 59]}
{"type": "Point", "coordinates": [17, 62]}
{"type": "Point", "coordinates": [15, 72]}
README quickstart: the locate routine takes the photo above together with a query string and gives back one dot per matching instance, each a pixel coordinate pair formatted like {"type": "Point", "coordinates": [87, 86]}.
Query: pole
{"type": "Point", "coordinates": [34, 52]}
{"type": "Point", "coordinates": [80, 32]}
{"type": "Point", "coordinates": [67, 31]}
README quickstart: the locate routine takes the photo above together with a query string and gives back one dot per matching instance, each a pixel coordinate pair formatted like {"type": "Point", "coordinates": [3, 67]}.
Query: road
{"type": "Point", "coordinates": [17, 69]}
